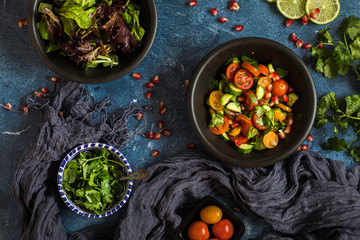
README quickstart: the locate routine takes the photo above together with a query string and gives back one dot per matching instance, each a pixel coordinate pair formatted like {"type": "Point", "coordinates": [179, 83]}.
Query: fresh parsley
{"type": "Point", "coordinates": [329, 111]}
{"type": "Point", "coordinates": [217, 120]}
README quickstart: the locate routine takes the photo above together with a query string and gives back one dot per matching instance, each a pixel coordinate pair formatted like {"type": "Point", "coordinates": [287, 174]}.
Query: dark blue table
{"type": "Point", "coordinates": [184, 36]}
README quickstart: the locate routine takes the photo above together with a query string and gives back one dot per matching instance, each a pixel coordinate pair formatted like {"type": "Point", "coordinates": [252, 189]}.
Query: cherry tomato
{"type": "Point", "coordinates": [243, 79]}
{"type": "Point", "coordinates": [250, 100]}
{"type": "Point", "coordinates": [251, 68]}
{"type": "Point", "coordinates": [211, 214]}
{"type": "Point", "coordinates": [239, 139]}
{"type": "Point", "coordinates": [198, 231]}
{"type": "Point", "coordinates": [263, 69]}
{"type": "Point", "coordinates": [221, 129]}
{"type": "Point", "coordinates": [231, 70]}
{"type": "Point", "coordinates": [255, 117]}
{"type": "Point", "coordinates": [280, 88]}
{"type": "Point", "coordinates": [243, 118]}
{"type": "Point", "coordinates": [223, 229]}
{"type": "Point", "coordinates": [245, 128]}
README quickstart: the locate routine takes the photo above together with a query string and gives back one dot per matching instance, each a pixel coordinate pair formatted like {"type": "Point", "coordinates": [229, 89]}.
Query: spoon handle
{"type": "Point", "coordinates": [140, 174]}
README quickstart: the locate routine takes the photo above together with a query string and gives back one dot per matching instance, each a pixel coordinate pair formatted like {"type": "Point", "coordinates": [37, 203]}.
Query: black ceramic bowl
{"type": "Point", "coordinates": [264, 51]}
{"type": "Point", "coordinates": [69, 70]}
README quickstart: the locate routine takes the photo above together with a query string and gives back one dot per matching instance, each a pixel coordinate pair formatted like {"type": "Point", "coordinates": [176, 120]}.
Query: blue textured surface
{"type": "Point", "coordinates": [185, 35]}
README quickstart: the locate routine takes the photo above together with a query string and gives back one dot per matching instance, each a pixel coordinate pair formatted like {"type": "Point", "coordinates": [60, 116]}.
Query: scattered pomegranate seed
{"type": "Point", "coordinates": [44, 90]}
{"type": "Point", "coordinates": [287, 130]}
{"type": "Point", "coordinates": [321, 45]}
{"type": "Point", "coordinates": [136, 75]}
{"type": "Point", "coordinates": [162, 105]}
{"type": "Point", "coordinates": [316, 10]}
{"type": "Point", "coordinates": [309, 137]}
{"type": "Point", "coordinates": [190, 146]}
{"type": "Point", "coordinates": [304, 147]}
{"type": "Point", "coordinates": [150, 135]}
{"type": "Point", "coordinates": [55, 79]}
{"type": "Point", "coordinates": [288, 22]}
{"type": "Point", "coordinates": [154, 153]}
{"type": "Point", "coordinates": [156, 136]}
{"type": "Point", "coordinates": [299, 43]}
{"type": "Point", "coordinates": [25, 21]}
{"type": "Point", "coordinates": [25, 108]}
{"type": "Point", "coordinates": [155, 79]}
{"type": "Point", "coordinates": [307, 46]}
{"type": "Point", "coordinates": [139, 116]}
{"type": "Point", "coordinates": [213, 11]}
{"type": "Point", "coordinates": [304, 20]}
{"type": "Point", "coordinates": [150, 85]}
{"type": "Point", "coordinates": [281, 134]}
{"type": "Point", "coordinates": [8, 106]}
{"type": "Point", "coordinates": [187, 82]}
{"type": "Point", "coordinates": [166, 132]}
{"type": "Point", "coordinates": [313, 16]}
{"type": "Point", "coordinates": [38, 94]}
{"type": "Point", "coordinates": [267, 95]}
{"type": "Point", "coordinates": [21, 23]}
{"type": "Point", "coordinates": [275, 99]}
{"type": "Point", "coordinates": [160, 124]}
{"type": "Point", "coordinates": [192, 3]}
{"type": "Point", "coordinates": [162, 111]}
{"type": "Point", "coordinates": [285, 98]}
{"type": "Point", "coordinates": [293, 37]}
{"type": "Point", "coordinates": [269, 87]}
{"type": "Point", "coordinates": [234, 124]}
{"type": "Point", "coordinates": [291, 90]}
{"type": "Point", "coordinates": [239, 28]}
{"type": "Point", "coordinates": [234, 6]}
{"type": "Point", "coordinates": [223, 19]}
{"type": "Point", "coordinates": [148, 94]}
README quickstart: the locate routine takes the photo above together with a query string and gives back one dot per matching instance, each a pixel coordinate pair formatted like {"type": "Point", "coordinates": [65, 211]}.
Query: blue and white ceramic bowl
{"type": "Point", "coordinates": [86, 148]}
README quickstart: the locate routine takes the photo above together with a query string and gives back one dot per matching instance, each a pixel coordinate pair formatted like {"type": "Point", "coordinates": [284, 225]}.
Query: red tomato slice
{"type": "Point", "coordinates": [257, 125]}
{"type": "Point", "coordinates": [243, 79]}
{"type": "Point", "coordinates": [242, 118]}
{"type": "Point", "coordinates": [251, 68]}
{"type": "Point", "coordinates": [223, 128]}
{"type": "Point", "coordinates": [231, 70]}
{"type": "Point", "coordinates": [250, 100]}
{"type": "Point", "coordinates": [263, 69]}
{"type": "Point", "coordinates": [245, 128]}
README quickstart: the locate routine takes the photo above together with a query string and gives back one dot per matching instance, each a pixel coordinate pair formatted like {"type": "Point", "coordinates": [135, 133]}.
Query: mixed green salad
{"type": "Point", "coordinates": [251, 105]}
{"type": "Point", "coordinates": [91, 32]}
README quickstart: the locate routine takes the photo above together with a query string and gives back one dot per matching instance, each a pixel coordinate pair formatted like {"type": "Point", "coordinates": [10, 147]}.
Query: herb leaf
{"type": "Point", "coordinates": [217, 120]}
{"type": "Point", "coordinates": [335, 144]}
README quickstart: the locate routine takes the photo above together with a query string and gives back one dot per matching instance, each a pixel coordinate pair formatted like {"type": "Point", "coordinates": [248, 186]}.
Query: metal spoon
{"type": "Point", "coordinates": [140, 174]}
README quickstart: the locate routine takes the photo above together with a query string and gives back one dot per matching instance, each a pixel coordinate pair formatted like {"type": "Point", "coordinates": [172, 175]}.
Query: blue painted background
{"type": "Point", "coordinates": [184, 36]}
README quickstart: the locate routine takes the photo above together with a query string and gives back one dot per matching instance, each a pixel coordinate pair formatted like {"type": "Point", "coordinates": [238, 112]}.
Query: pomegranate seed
{"type": "Point", "coordinates": [241, 99]}
{"type": "Point", "coordinates": [288, 22]}
{"type": "Point", "coordinates": [8, 106]}
{"type": "Point", "coordinates": [223, 19]}
{"type": "Point", "coordinates": [21, 23]}
{"type": "Point", "coordinates": [291, 90]}
{"type": "Point", "coordinates": [25, 21]}
{"type": "Point", "coordinates": [271, 103]}
{"type": "Point", "coordinates": [304, 147]}
{"type": "Point", "coordinates": [160, 124]}
{"type": "Point", "coordinates": [321, 45]}
{"type": "Point", "coordinates": [267, 95]}
{"type": "Point", "coordinates": [293, 37]}
{"type": "Point", "coordinates": [25, 108]}
{"type": "Point", "coordinates": [263, 101]}
{"type": "Point", "coordinates": [156, 136]}
{"type": "Point", "coordinates": [281, 134]}
{"type": "Point", "coordinates": [287, 130]}
{"type": "Point", "coordinates": [148, 94]}
{"type": "Point", "coordinates": [213, 11]}
{"type": "Point", "coordinates": [136, 75]}
{"type": "Point", "coordinates": [242, 107]}
{"type": "Point", "coordinates": [234, 6]}
{"type": "Point", "coordinates": [166, 132]}
{"type": "Point", "coordinates": [299, 43]}
{"type": "Point", "coordinates": [313, 15]}
{"type": "Point", "coordinates": [162, 105]}
{"type": "Point", "coordinates": [162, 111]}
{"type": "Point", "coordinates": [154, 153]}
{"type": "Point", "coordinates": [150, 85]}
{"type": "Point", "coordinates": [55, 79]}
{"type": "Point", "coordinates": [44, 90]}
{"type": "Point", "coordinates": [235, 124]}
{"type": "Point", "coordinates": [187, 82]}
{"type": "Point", "coordinates": [192, 3]}
{"type": "Point", "coordinates": [316, 10]}
{"type": "Point", "coordinates": [150, 135]}
{"type": "Point", "coordinates": [309, 137]}
{"type": "Point", "coordinates": [275, 99]}
{"type": "Point", "coordinates": [285, 98]}
{"type": "Point", "coordinates": [269, 87]}
{"type": "Point", "coordinates": [239, 28]}
{"type": "Point", "coordinates": [304, 20]}
{"type": "Point", "coordinates": [307, 46]}
{"type": "Point", "coordinates": [139, 116]}
{"type": "Point", "coordinates": [38, 94]}
{"type": "Point", "coordinates": [190, 146]}
{"type": "Point", "coordinates": [155, 79]}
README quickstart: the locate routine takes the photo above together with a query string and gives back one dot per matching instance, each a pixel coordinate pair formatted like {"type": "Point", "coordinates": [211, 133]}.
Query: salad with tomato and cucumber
{"type": "Point", "coordinates": [251, 105]}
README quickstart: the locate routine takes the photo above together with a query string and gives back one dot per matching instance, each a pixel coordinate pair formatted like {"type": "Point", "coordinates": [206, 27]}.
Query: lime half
{"type": "Point", "coordinates": [329, 10]}
{"type": "Point", "coordinates": [292, 9]}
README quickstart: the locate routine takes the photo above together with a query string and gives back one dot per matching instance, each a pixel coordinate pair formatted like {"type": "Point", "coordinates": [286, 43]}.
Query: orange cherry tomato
{"type": "Point", "coordinates": [231, 70]}
{"type": "Point", "coordinates": [221, 129]}
{"type": "Point", "coordinates": [263, 69]}
{"type": "Point", "coordinates": [264, 82]}
{"type": "Point", "coordinates": [243, 79]}
{"type": "Point", "coordinates": [250, 100]}
{"type": "Point", "coordinates": [198, 231]}
{"type": "Point", "coordinates": [211, 214]}
{"type": "Point", "coordinates": [223, 229]}
{"type": "Point", "coordinates": [255, 117]}
{"type": "Point", "coordinates": [280, 88]}
{"type": "Point", "coordinates": [251, 68]}
{"type": "Point", "coordinates": [270, 140]}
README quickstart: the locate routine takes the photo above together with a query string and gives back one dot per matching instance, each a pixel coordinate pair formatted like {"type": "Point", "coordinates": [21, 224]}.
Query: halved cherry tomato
{"type": "Point", "coordinates": [263, 69]}
{"type": "Point", "coordinates": [243, 79]}
{"type": "Point", "coordinates": [239, 139]}
{"type": "Point", "coordinates": [280, 87]}
{"type": "Point", "coordinates": [214, 100]}
{"type": "Point", "coordinates": [221, 129]}
{"type": "Point", "coordinates": [270, 140]}
{"type": "Point", "coordinates": [231, 70]}
{"type": "Point", "coordinates": [211, 214]}
{"type": "Point", "coordinates": [255, 117]}
{"type": "Point", "coordinates": [251, 68]}
{"type": "Point", "coordinates": [245, 128]}
{"type": "Point", "coordinates": [198, 231]}
{"type": "Point", "coordinates": [242, 118]}
{"type": "Point", "coordinates": [223, 229]}
{"type": "Point", "coordinates": [250, 100]}
{"type": "Point", "coordinates": [264, 82]}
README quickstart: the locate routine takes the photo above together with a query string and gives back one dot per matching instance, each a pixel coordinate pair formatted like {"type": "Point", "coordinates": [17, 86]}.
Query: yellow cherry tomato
{"type": "Point", "coordinates": [211, 214]}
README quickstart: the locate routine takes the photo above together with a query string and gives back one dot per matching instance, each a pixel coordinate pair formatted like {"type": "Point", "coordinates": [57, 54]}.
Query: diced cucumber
{"type": "Point", "coordinates": [225, 137]}
{"type": "Point", "coordinates": [233, 106]}
{"type": "Point", "coordinates": [225, 98]}
{"type": "Point", "coordinates": [232, 89]}
{"type": "Point", "coordinates": [245, 148]}
{"type": "Point", "coordinates": [293, 97]}
{"type": "Point", "coordinates": [222, 85]}
{"type": "Point", "coordinates": [260, 92]}
{"type": "Point", "coordinates": [271, 68]}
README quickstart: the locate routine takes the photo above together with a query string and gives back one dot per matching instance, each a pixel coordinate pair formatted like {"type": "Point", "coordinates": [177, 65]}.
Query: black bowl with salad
{"type": "Point", "coordinates": [252, 102]}
{"type": "Point", "coordinates": [93, 41]}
